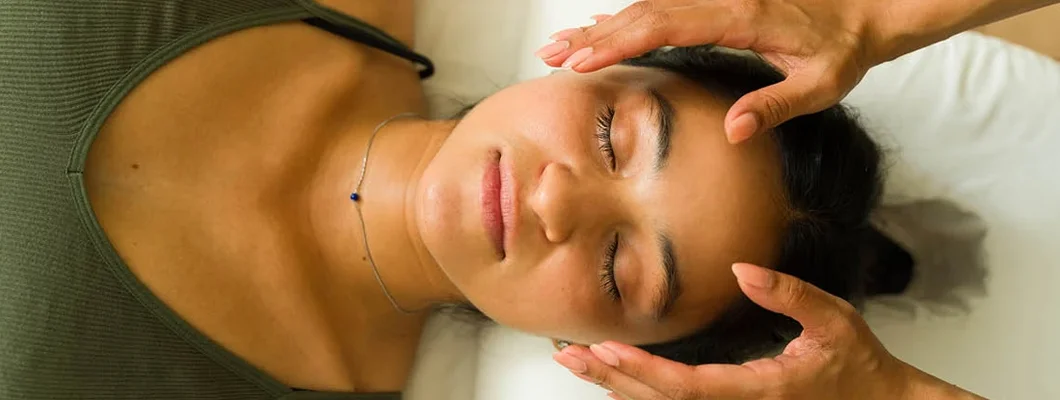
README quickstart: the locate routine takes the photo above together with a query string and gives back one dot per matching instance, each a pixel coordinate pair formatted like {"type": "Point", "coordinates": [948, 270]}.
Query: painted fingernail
{"type": "Point", "coordinates": [578, 57]}
{"type": "Point", "coordinates": [752, 275]}
{"type": "Point", "coordinates": [743, 127]}
{"type": "Point", "coordinates": [598, 18]}
{"type": "Point", "coordinates": [604, 354]}
{"type": "Point", "coordinates": [552, 49]}
{"type": "Point", "coordinates": [564, 34]}
{"type": "Point", "coordinates": [570, 362]}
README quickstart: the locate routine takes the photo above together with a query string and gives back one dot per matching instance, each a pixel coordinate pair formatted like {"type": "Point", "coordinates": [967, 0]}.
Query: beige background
{"type": "Point", "coordinates": [1039, 30]}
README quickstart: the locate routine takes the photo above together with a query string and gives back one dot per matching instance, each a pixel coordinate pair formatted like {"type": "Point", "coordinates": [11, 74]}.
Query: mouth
{"type": "Point", "coordinates": [499, 204]}
{"type": "Point", "coordinates": [493, 219]}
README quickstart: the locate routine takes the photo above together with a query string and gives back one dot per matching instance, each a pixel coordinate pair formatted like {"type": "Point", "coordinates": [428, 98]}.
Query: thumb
{"type": "Point", "coordinates": [782, 293]}
{"type": "Point", "coordinates": [773, 105]}
{"type": "Point", "coordinates": [676, 380]}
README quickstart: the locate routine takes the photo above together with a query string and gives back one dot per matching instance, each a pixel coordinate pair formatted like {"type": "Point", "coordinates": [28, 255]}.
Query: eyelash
{"type": "Point", "coordinates": [603, 135]}
{"type": "Point", "coordinates": [604, 120]}
{"type": "Point", "coordinates": [607, 274]}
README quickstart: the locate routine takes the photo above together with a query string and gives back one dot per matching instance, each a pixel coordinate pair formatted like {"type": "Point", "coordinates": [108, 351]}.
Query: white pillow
{"type": "Point", "coordinates": [971, 120]}
{"type": "Point", "coordinates": [976, 121]}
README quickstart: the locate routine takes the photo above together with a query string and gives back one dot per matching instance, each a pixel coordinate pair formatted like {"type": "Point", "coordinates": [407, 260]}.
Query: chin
{"type": "Point", "coordinates": [442, 218]}
{"type": "Point", "coordinates": [437, 218]}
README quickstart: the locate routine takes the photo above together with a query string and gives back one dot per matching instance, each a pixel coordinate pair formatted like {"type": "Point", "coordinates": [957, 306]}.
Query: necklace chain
{"type": "Point", "coordinates": [356, 197]}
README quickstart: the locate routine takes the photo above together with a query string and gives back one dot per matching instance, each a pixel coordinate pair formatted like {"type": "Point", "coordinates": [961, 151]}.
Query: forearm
{"type": "Point", "coordinates": [924, 386]}
{"type": "Point", "coordinates": [908, 25]}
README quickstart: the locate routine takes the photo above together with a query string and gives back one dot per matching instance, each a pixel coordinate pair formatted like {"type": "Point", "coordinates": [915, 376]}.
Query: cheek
{"type": "Point", "coordinates": [559, 297]}
{"type": "Point", "coordinates": [553, 117]}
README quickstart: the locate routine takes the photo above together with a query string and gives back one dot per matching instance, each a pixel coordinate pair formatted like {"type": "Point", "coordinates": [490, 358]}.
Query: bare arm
{"type": "Point", "coordinates": [908, 25]}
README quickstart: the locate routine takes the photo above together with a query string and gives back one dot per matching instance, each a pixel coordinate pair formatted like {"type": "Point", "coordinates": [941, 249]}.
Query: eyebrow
{"type": "Point", "coordinates": [664, 113]}
{"type": "Point", "coordinates": [670, 290]}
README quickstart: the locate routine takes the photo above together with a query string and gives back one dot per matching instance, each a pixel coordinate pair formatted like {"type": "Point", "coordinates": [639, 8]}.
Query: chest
{"type": "Point", "coordinates": [194, 179]}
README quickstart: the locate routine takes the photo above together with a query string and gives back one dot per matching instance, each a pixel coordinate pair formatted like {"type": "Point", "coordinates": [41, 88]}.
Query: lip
{"type": "Point", "coordinates": [509, 203]}
{"type": "Point", "coordinates": [493, 219]}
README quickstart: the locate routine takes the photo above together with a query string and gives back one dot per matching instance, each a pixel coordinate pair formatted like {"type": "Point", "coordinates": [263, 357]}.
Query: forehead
{"type": "Point", "coordinates": [720, 203]}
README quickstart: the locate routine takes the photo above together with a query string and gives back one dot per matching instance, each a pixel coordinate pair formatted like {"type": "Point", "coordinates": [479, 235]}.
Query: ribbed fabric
{"type": "Point", "coordinates": [74, 322]}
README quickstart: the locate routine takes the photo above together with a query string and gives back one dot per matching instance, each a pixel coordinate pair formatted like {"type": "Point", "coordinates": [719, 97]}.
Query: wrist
{"type": "Point", "coordinates": [902, 26]}
{"type": "Point", "coordinates": [921, 385]}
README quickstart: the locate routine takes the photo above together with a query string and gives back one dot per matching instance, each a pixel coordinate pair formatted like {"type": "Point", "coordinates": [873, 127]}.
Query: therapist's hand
{"type": "Point", "coordinates": [836, 357]}
{"type": "Point", "coordinates": [824, 47]}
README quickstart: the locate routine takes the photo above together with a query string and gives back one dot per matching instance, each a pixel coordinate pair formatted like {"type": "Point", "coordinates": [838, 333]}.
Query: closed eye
{"type": "Point", "coordinates": [607, 272]}
{"type": "Point", "coordinates": [603, 135]}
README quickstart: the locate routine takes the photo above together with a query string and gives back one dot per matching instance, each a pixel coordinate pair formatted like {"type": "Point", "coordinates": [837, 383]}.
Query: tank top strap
{"type": "Point", "coordinates": [362, 32]}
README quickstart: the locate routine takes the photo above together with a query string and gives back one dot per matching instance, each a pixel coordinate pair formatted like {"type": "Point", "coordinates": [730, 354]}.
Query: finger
{"type": "Point", "coordinates": [785, 294]}
{"type": "Point", "coordinates": [577, 39]}
{"type": "Point", "coordinates": [580, 361]}
{"type": "Point", "coordinates": [768, 107]}
{"type": "Point", "coordinates": [677, 380]}
{"type": "Point", "coordinates": [689, 26]}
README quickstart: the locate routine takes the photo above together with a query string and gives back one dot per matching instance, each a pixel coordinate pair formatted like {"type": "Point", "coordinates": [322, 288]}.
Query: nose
{"type": "Point", "coordinates": [563, 202]}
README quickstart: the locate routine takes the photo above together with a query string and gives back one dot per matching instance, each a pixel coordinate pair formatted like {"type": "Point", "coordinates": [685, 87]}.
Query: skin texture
{"type": "Point", "coordinates": [718, 203]}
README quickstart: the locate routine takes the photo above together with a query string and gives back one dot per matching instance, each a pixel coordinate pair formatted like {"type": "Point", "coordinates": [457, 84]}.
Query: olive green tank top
{"type": "Point", "coordinates": [74, 321]}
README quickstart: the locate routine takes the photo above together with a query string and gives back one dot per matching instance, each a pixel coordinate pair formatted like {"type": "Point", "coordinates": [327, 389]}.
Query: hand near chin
{"type": "Point", "coordinates": [824, 47]}
{"type": "Point", "coordinates": [836, 357]}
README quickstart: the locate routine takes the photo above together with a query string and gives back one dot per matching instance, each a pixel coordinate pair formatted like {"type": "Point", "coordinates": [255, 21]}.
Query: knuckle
{"type": "Point", "coordinates": [632, 42]}
{"type": "Point", "coordinates": [603, 377]}
{"type": "Point", "coordinates": [795, 295]}
{"type": "Point", "coordinates": [633, 369]}
{"type": "Point", "coordinates": [776, 108]}
{"type": "Point", "coordinates": [641, 8]}
{"type": "Point", "coordinates": [748, 9]}
{"type": "Point", "coordinates": [844, 329]}
{"type": "Point", "coordinates": [659, 20]}
{"type": "Point", "coordinates": [584, 36]}
{"type": "Point", "coordinates": [847, 311]}
{"type": "Point", "coordinates": [685, 392]}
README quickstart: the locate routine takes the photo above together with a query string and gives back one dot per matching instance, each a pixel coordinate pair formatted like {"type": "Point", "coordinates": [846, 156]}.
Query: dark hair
{"type": "Point", "coordinates": [832, 181]}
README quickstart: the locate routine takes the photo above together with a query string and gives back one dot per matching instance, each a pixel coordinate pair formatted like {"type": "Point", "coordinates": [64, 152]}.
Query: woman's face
{"type": "Point", "coordinates": [603, 206]}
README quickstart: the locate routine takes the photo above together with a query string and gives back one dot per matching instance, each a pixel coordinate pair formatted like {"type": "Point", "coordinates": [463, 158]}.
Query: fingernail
{"type": "Point", "coordinates": [564, 34]}
{"type": "Point", "coordinates": [552, 49]}
{"type": "Point", "coordinates": [570, 362]}
{"type": "Point", "coordinates": [743, 127]}
{"type": "Point", "coordinates": [604, 354]}
{"type": "Point", "coordinates": [753, 275]}
{"type": "Point", "coordinates": [578, 57]}
{"type": "Point", "coordinates": [615, 396]}
{"type": "Point", "coordinates": [598, 18]}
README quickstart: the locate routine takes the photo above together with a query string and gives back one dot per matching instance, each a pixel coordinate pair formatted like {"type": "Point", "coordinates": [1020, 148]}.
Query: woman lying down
{"type": "Point", "coordinates": [241, 199]}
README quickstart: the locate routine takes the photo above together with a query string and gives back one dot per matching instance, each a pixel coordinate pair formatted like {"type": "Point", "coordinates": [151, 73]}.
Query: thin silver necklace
{"type": "Point", "coordinates": [356, 197]}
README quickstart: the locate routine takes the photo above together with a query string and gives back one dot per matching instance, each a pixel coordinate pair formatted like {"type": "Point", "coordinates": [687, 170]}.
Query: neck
{"type": "Point", "coordinates": [401, 151]}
